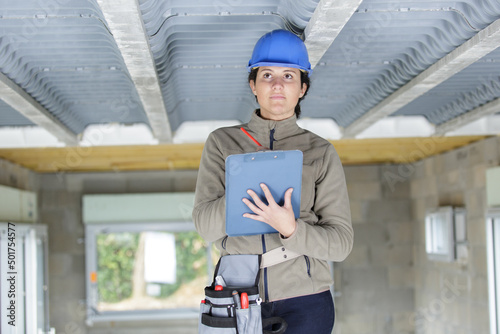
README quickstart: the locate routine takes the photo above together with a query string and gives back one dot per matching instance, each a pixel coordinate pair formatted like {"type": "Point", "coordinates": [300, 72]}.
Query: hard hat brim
{"type": "Point", "coordinates": [274, 64]}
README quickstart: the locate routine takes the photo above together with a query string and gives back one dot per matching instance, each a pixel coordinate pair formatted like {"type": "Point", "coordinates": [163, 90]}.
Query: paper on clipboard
{"type": "Point", "coordinates": [279, 170]}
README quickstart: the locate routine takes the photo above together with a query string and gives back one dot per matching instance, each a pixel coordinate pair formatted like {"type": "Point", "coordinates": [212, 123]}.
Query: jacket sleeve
{"type": "Point", "coordinates": [331, 238]}
{"type": "Point", "coordinates": [209, 204]}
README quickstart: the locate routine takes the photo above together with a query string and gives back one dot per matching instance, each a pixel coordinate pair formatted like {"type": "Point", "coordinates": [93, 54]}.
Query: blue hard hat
{"type": "Point", "coordinates": [280, 48]}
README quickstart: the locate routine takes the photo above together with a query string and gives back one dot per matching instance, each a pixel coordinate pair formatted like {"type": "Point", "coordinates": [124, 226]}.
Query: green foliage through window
{"type": "Point", "coordinates": [117, 256]}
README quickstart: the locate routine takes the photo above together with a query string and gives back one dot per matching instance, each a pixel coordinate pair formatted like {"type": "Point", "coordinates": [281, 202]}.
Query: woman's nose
{"type": "Point", "coordinates": [277, 83]}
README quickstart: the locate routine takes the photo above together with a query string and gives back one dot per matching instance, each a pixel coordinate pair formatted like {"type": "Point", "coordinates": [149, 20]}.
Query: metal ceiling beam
{"type": "Point", "coordinates": [21, 101]}
{"type": "Point", "coordinates": [470, 116]}
{"type": "Point", "coordinates": [124, 21]}
{"type": "Point", "coordinates": [466, 54]}
{"type": "Point", "coordinates": [325, 25]}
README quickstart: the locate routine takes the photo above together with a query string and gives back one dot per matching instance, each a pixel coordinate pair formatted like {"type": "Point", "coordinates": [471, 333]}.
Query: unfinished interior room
{"type": "Point", "coordinates": [107, 107]}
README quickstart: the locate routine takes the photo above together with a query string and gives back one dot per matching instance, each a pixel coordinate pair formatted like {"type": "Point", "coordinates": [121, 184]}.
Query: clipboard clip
{"type": "Point", "coordinates": [257, 156]}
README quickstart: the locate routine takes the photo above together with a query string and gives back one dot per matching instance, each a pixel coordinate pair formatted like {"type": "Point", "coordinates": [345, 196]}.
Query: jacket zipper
{"type": "Point", "coordinates": [266, 285]}
{"type": "Point", "coordinates": [271, 139]}
{"type": "Point", "coordinates": [266, 290]}
{"type": "Point", "coordinates": [308, 265]}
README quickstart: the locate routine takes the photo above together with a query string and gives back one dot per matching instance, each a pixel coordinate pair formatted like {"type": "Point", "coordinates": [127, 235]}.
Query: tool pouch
{"type": "Point", "coordinates": [221, 311]}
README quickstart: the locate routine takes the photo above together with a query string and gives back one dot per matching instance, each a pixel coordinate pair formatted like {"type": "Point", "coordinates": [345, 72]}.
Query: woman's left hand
{"type": "Point", "coordinates": [281, 218]}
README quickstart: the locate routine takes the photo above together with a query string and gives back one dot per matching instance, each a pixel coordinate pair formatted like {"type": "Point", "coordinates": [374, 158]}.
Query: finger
{"type": "Point", "coordinates": [267, 193]}
{"type": "Point", "coordinates": [256, 199]}
{"type": "Point", "coordinates": [254, 217]}
{"type": "Point", "coordinates": [288, 198]}
{"type": "Point", "coordinates": [252, 206]}
{"type": "Point", "coordinates": [255, 209]}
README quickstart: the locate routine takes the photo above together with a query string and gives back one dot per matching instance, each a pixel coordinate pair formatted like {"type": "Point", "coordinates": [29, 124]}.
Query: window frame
{"type": "Point", "coordinates": [454, 235]}
{"type": "Point", "coordinates": [91, 261]}
{"type": "Point", "coordinates": [492, 252]}
{"type": "Point", "coordinates": [31, 275]}
{"type": "Point", "coordinates": [433, 218]}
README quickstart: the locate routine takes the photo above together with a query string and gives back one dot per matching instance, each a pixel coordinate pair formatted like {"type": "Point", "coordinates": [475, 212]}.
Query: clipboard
{"type": "Point", "coordinates": [279, 170]}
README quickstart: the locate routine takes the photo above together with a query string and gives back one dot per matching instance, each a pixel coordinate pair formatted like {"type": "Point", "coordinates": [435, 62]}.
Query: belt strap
{"type": "Point", "coordinates": [277, 255]}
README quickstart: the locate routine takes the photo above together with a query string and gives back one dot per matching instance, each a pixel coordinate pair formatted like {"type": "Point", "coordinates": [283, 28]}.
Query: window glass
{"type": "Point", "coordinates": [493, 260]}
{"type": "Point", "coordinates": [439, 230]}
{"type": "Point", "coordinates": [496, 264]}
{"type": "Point", "coordinates": [439, 235]}
{"type": "Point", "coordinates": [151, 270]}
{"type": "Point", "coordinates": [41, 285]}
{"type": "Point", "coordinates": [25, 245]}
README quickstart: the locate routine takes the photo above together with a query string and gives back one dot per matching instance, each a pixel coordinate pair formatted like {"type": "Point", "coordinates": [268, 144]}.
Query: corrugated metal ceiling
{"type": "Point", "coordinates": [63, 54]}
{"type": "Point", "coordinates": [201, 49]}
{"type": "Point", "coordinates": [476, 85]}
{"type": "Point", "coordinates": [385, 45]}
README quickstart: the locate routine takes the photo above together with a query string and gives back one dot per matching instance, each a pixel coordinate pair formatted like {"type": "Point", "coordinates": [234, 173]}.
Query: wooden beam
{"type": "Point", "coordinates": [187, 156]}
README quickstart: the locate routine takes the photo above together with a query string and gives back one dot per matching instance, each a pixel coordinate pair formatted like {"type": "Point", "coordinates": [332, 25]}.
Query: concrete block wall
{"type": "Point", "coordinates": [60, 210]}
{"type": "Point", "coordinates": [375, 284]}
{"type": "Point", "coordinates": [12, 175]}
{"type": "Point", "coordinates": [453, 297]}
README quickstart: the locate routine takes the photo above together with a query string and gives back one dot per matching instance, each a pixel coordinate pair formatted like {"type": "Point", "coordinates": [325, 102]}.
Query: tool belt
{"type": "Point", "coordinates": [232, 303]}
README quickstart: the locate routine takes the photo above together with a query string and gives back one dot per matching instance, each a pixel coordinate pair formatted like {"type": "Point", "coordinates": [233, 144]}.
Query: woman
{"type": "Point", "coordinates": [297, 290]}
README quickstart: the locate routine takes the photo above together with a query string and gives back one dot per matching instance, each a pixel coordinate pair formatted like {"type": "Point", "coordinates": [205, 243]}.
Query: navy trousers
{"type": "Point", "coordinates": [308, 314]}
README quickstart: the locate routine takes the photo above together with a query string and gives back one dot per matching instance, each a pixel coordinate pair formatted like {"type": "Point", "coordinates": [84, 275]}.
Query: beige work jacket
{"type": "Point", "coordinates": [324, 230]}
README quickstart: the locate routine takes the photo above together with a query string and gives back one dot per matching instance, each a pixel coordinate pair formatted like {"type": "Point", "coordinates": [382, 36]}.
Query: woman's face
{"type": "Point", "coordinates": [278, 90]}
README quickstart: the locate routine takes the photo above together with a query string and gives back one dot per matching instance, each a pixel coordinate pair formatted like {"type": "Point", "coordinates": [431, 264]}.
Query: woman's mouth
{"type": "Point", "coordinates": [277, 97]}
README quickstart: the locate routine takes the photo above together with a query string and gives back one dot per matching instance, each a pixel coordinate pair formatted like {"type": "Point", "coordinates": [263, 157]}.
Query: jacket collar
{"type": "Point", "coordinates": [282, 129]}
